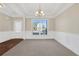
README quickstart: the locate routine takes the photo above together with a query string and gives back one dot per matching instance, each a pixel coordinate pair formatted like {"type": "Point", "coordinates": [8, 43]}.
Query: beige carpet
{"type": "Point", "coordinates": [39, 47]}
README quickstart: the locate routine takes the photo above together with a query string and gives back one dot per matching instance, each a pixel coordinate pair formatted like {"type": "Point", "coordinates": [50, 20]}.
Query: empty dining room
{"type": "Point", "coordinates": [39, 29]}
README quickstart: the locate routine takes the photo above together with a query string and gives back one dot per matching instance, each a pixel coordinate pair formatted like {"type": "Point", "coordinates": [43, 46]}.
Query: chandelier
{"type": "Point", "coordinates": [1, 5]}
{"type": "Point", "coordinates": [39, 12]}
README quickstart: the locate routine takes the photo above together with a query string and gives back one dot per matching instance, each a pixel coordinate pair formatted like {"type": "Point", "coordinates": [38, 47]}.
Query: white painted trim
{"type": "Point", "coordinates": [71, 41]}
{"type": "Point", "coordinates": [8, 35]}
{"type": "Point", "coordinates": [25, 35]}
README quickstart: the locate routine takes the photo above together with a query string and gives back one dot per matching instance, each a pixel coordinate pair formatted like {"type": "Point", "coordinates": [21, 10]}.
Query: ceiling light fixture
{"type": "Point", "coordinates": [1, 5]}
{"type": "Point", "coordinates": [39, 12]}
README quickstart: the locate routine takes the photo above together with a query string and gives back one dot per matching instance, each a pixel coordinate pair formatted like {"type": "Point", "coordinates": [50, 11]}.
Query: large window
{"type": "Point", "coordinates": [39, 26]}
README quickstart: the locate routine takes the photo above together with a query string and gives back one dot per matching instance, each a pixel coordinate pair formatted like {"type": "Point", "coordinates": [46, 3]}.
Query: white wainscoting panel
{"type": "Point", "coordinates": [69, 40]}
{"type": "Point", "coordinates": [29, 35]}
{"type": "Point", "coordinates": [9, 35]}
{"type": "Point", "coordinates": [26, 35]}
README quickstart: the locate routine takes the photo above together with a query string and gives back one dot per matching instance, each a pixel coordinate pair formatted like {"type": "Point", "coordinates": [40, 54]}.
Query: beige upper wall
{"type": "Point", "coordinates": [28, 24]}
{"type": "Point", "coordinates": [5, 23]}
{"type": "Point", "coordinates": [69, 20]}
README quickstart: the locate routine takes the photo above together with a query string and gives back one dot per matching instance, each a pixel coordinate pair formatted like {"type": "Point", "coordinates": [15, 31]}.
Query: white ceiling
{"type": "Point", "coordinates": [29, 9]}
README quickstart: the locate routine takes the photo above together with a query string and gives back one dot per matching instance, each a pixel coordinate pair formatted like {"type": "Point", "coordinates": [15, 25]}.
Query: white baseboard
{"type": "Point", "coordinates": [71, 41]}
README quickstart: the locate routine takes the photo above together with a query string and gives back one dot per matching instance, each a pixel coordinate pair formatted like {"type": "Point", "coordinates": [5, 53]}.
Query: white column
{"type": "Point", "coordinates": [24, 33]}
